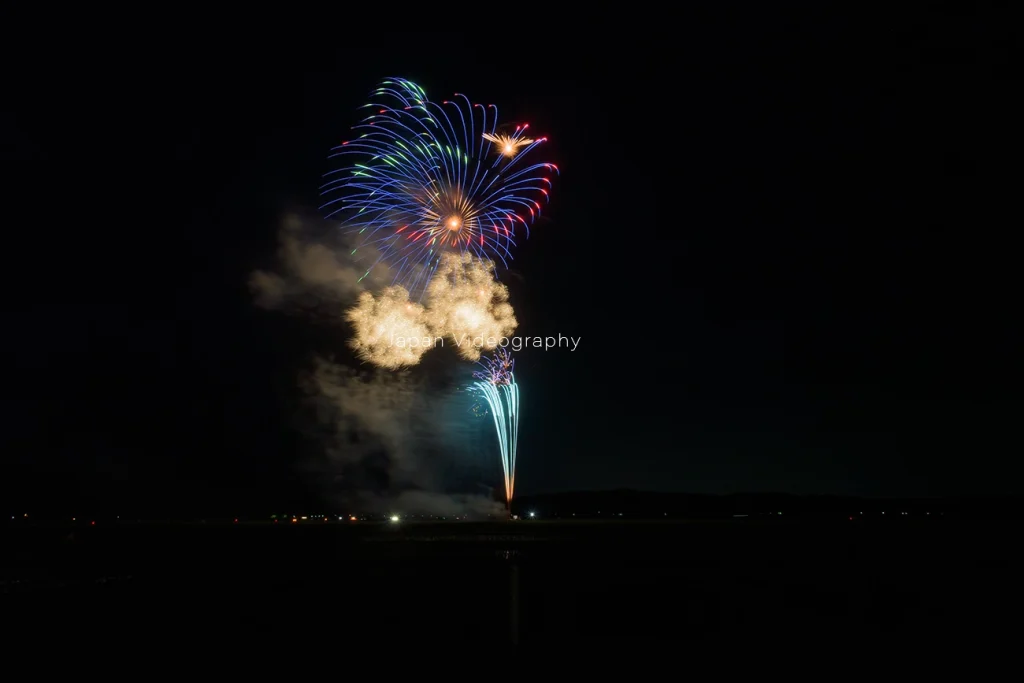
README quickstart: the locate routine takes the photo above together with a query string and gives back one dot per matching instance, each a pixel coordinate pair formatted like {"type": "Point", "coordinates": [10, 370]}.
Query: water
{"type": "Point", "coordinates": [514, 584]}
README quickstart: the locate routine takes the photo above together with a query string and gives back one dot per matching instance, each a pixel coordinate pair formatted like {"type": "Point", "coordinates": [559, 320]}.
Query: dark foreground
{"type": "Point", "coordinates": [515, 582]}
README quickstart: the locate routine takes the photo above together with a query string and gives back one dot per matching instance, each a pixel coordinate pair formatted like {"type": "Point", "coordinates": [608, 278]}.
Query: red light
{"type": "Point", "coordinates": [236, 520]}
{"type": "Point", "coordinates": [93, 522]}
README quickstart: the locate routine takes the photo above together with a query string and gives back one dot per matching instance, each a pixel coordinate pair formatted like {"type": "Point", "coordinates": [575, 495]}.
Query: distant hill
{"type": "Point", "coordinates": [628, 503]}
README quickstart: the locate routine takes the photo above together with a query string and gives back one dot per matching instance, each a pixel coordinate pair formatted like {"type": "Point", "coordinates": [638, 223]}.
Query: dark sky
{"type": "Point", "coordinates": [786, 241]}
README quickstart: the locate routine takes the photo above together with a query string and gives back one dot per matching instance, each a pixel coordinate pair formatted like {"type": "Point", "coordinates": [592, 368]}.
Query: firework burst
{"type": "Point", "coordinates": [422, 178]}
{"type": "Point", "coordinates": [378, 321]}
{"type": "Point", "coordinates": [509, 145]}
{"type": "Point", "coordinates": [466, 302]}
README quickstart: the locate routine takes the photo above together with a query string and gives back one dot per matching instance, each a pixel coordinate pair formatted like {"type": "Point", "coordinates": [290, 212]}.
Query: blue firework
{"type": "Point", "coordinates": [421, 178]}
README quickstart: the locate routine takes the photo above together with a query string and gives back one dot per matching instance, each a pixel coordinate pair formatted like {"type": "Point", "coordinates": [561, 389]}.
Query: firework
{"type": "Point", "coordinates": [390, 331]}
{"type": "Point", "coordinates": [509, 145]}
{"type": "Point", "coordinates": [464, 305]}
{"type": "Point", "coordinates": [496, 382]}
{"type": "Point", "coordinates": [465, 302]}
{"type": "Point", "coordinates": [422, 178]}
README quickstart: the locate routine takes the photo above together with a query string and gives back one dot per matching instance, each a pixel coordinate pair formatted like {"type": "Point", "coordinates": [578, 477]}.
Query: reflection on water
{"type": "Point", "coordinates": [513, 605]}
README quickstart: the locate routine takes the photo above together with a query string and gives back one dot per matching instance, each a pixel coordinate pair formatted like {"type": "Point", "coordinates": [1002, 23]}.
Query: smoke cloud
{"type": "Point", "coordinates": [391, 439]}
{"type": "Point", "coordinates": [386, 441]}
{"type": "Point", "coordinates": [312, 269]}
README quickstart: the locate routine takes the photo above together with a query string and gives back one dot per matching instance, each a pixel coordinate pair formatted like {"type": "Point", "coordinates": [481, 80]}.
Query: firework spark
{"type": "Point", "coordinates": [509, 145]}
{"type": "Point", "coordinates": [465, 302]}
{"type": "Point", "coordinates": [496, 382]}
{"type": "Point", "coordinates": [497, 369]}
{"type": "Point", "coordinates": [465, 305]}
{"type": "Point", "coordinates": [390, 331]}
{"type": "Point", "coordinates": [419, 182]}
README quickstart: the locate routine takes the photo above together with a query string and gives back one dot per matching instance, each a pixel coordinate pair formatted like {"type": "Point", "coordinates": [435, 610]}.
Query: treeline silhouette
{"type": "Point", "coordinates": [630, 504]}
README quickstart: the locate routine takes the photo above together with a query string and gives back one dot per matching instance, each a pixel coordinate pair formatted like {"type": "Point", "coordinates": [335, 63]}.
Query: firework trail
{"type": "Point", "coordinates": [423, 178]}
{"type": "Point", "coordinates": [496, 382]}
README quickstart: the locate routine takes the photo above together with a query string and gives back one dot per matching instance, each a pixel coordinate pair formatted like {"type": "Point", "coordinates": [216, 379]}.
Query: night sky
{"type": "Point", "coordinates": [786, 242]}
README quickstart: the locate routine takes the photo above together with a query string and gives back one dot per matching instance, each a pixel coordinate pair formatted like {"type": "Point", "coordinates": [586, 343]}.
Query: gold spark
{"type": "Point", "coordinates": [506, 144]}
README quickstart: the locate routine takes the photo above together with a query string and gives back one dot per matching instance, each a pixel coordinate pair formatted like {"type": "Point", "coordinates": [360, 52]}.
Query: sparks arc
{"type": "Point", "coordinates": [421, 178]}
